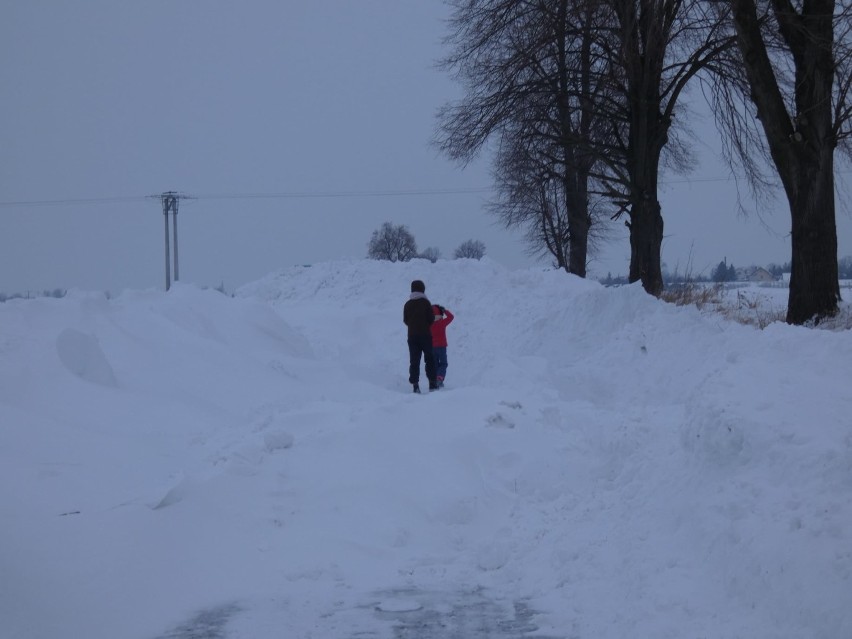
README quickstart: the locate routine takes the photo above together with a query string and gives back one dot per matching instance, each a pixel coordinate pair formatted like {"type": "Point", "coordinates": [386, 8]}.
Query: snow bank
{"type": "Point", "coordinates": [600, 465]}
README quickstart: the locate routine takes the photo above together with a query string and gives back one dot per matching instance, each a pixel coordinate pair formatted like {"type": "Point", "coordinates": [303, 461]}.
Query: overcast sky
{"type": "Point", "coordinates": [328, 105]}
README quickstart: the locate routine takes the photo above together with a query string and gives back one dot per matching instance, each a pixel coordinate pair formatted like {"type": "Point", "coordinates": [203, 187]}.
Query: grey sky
{"type": "Point", "coordinates": [222, 99]}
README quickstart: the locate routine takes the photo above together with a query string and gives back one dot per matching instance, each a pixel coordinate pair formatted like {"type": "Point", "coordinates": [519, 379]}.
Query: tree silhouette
{"type": "Point", "coordinates": [473, 249]}
{"type": "Point", "coordinates": [393, 243]}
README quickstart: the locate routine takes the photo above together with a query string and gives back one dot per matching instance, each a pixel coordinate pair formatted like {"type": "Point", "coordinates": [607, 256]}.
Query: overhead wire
{"type": "Point", "coordinates": [249, 196]}
{"type": "Point", "coordinates": [294, 195]}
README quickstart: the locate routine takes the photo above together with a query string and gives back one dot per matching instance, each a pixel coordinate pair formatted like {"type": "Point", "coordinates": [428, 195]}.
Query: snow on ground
{"type": "Point", "coordinates": [601, 464]}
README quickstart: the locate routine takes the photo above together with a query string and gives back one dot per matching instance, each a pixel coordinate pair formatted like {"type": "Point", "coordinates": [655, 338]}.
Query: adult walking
{"type": "Point", "coordinates": [417, 316]}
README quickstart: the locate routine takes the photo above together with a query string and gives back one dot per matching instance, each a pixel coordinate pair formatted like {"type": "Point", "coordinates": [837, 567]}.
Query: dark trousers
{"type": "Point", "coordinates": [440, 353]}
{"type": "Point", "coordinates": [417, 345]}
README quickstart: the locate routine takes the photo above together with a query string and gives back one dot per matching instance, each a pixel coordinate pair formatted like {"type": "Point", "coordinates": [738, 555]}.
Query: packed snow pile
{"type": "Point", "coordinates": [600, 464]}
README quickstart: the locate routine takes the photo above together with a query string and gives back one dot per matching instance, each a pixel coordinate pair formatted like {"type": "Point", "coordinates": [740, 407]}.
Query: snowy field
{"type": "Point", "coordinates": [757, 304]}
{"type": "Point", "coordinates": [600, 465]}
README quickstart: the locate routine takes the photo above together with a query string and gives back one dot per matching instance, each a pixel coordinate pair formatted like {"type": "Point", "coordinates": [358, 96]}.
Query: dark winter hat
{"type": "Point", "coordinates": [436, 310]}
{"type": "Point", "coordinates": [418, 286]}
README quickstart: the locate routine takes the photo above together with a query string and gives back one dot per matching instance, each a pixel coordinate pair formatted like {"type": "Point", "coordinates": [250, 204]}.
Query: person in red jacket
{"type": "Point", "coordinates": [439, 341]}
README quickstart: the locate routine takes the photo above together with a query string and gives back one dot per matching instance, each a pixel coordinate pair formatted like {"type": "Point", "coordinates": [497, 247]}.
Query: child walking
{"type": "Point", "coordinates": [439, 341]}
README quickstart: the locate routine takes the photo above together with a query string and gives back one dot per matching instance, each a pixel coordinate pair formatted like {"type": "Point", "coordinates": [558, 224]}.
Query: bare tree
{"type": "Point", "coordinates": [587, 90]}
{"type": "Point", "coordinates": [656, 47]}
{"type": "Point", "coordinates": [526, 200]}
{"type": "Point", "coordinates": [529, 200]}
{"type": "Point", "coordinates": [430, 253]}
{"type": "Point", "coordinates": [394, 243]}
{"type": "Point", "coordinates": [473, 249]}
{"type": "Point", "coordinates": [792, 71]}
{"type": "Point", "coordinates": [529, 71]}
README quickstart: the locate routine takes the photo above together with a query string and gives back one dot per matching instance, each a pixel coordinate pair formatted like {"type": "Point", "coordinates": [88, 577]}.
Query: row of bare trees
{"type": "Point", "coordinates": [581, 99]}
{"type": "Point", "coordinates": [395, 243]}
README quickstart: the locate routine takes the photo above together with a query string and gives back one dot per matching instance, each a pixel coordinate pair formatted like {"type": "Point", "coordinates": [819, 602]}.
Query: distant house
{"type": "Point", "coordinates": [754, 274]}
{"type": "Point", "coordinates": [759, 274]}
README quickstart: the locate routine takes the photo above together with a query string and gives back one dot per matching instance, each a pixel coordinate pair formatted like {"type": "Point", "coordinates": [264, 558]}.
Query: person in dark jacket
{"type": "Point", "coordinates": [417, 315]}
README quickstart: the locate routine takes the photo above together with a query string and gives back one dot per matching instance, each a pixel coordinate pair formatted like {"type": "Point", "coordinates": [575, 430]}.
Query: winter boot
{"type": "Point", "coordinates": [416, 388]}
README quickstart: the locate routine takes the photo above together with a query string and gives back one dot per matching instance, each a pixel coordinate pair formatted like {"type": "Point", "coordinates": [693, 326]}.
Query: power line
{"type": "Point", "coordinates": [92, 200]}
{"type": "Point", "coordinates": [336, 194]}
{"type": "Point", "coordinates": [295, 195]}
{"type": "Point", "coordinates": [252, 196]}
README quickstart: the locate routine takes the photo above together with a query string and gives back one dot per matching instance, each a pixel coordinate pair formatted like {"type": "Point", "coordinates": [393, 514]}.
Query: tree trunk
{"type": "Point", "coordinates": [801, 145]}
{"type": "Point", "coordinates": [814, 286]}
{"type": "Point", "coordinates": [578, 224]}
{"type": "Point", "coordinates": [646, 242]}
{"type": "Point", "coordinates": [578, 252]}
{"type": "Point", "coordinates": [551, 232]}
{"type": "Point", "coordinates": [577, 166]}
{"type": "Point", "coordinates": [645, 46]}
{"type": "Point", "coordinates": [647, 139]}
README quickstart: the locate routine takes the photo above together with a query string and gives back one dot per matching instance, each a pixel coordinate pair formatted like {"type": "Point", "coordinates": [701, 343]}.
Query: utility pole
{"type": "Point", "coordinates": [174, 235]}
{"type": "Point", "coordinates": [170, 200]}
